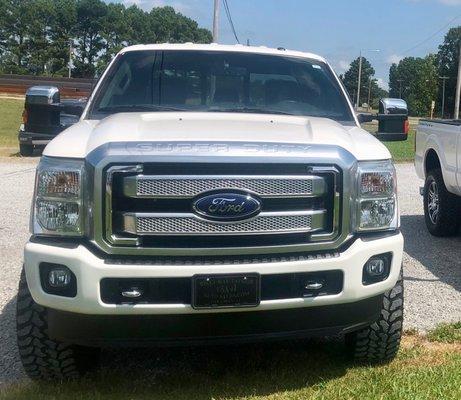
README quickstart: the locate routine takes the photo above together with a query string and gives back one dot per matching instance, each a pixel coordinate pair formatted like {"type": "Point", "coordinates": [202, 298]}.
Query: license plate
{"type": "Point", "coordinates": [223, 291]}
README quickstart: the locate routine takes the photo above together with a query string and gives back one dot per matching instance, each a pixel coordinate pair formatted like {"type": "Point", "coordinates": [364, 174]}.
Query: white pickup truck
{"type": "Point", "coordinates": [210, 194]}
{"type": "Point", "coordinates": [438, 162]}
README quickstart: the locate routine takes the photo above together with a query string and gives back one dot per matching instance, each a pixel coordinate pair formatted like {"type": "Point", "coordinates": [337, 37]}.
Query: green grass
{"type": "Point", "coordinates": [10, 119]}
{"type": "Point", "coordinates": [403, 151]}
{"type": "Point", "coordinates": [400, 151]}
{"type": "Point", "coordinates": [446, 333]}
{"type": "Point", "coordinates": [295, 370]}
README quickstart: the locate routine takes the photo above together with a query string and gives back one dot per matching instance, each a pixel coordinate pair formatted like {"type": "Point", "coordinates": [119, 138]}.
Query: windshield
{"type": "Point", "coordinates": [220, 82]}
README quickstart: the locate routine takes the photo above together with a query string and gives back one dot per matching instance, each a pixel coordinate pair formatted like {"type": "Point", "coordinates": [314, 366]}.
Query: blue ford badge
{"type": "Point", "coordinates": [227, 206]}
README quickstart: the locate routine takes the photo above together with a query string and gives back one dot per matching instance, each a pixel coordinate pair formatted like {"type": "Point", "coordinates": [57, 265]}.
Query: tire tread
{"type": "Point", "coordinates": [44, 358]}
{"type": "Point", "coordinates": [380, 341]}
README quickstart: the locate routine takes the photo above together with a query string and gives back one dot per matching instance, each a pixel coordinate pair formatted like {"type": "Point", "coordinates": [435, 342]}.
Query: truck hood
{"type": "Point", "coordinates": [85, 136]}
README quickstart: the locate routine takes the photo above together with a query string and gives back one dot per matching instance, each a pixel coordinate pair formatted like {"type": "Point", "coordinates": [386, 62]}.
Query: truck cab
{"type": "Point", "coordinates": [212, 194]}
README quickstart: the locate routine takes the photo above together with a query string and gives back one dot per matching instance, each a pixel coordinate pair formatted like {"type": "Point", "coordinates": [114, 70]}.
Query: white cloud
{"type": "Point", "coordinates": [382, 83]}
{"type": "Point", "coordinates": [394, 59]}
{"type": "Point", "coordinates": [343, 65]}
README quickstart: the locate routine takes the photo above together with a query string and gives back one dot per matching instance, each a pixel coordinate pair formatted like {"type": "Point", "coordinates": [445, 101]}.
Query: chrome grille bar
{"type": "Point", "coordinates": [190, 224]}
{"type": "Point", "coordinates": [179, 186]}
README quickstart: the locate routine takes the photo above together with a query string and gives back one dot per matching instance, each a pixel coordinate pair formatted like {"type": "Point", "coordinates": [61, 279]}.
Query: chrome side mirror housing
{"type": "Point", "coordinates": [392, 120]}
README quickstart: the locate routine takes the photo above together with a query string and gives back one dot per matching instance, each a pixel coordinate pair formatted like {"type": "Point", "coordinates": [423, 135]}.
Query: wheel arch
{"type": "Point", "coordinates": [431, 161]}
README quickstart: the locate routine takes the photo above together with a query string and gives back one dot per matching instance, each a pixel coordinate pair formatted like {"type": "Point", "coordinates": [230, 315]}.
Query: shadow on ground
{"type": "Point", "coordinates": [186, 373]}
{"type": "Point", "coordinates": [440, 256]}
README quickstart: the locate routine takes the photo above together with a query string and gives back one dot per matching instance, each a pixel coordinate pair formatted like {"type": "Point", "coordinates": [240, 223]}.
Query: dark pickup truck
{"type": "Point", "coordinates": [44, 116]}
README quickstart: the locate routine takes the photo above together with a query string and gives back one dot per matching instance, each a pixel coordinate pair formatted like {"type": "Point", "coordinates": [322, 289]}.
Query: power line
{"type": "Point", "coordinates": [229, 18]}
{"type": "Point", "coordinates": [433, 35]}
{"type": "Point", "coordinates": [403, 53]}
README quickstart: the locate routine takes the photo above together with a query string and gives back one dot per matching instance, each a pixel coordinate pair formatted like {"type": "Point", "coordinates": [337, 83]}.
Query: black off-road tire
{"type": "Point", "coordinates": [380, 341]}
{"type": "Point", "coordinates": [42, 357]}
{"type": "Point", "coordinates": [447, 220]}
{"type": "Point", "coordinates": [26, 150]}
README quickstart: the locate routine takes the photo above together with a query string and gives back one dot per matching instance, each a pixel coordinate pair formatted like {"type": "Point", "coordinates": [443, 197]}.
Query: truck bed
{"type": "Point", "coordinates": [456, 122]}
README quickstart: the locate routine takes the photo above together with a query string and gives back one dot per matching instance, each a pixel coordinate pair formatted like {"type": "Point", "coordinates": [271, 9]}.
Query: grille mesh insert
{"type": "Point", "coordinates": [192, 225]}
{"type": "Point", "coordinates": [192, 187]}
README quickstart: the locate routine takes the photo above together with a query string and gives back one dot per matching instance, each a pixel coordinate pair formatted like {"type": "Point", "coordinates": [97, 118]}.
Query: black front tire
{"type": "Point", "coordinates": [442, 211]}
{"type": "Point", "coordinates": [44, 358]}
{"type": "Point", "coordinates": [380, 341]}
{"type": "Point", "coordinates": [26, 150]}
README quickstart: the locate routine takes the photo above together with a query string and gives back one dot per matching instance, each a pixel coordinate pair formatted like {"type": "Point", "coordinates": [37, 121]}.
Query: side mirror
{"type": "Point", "coordinates": [364, 118]}
{"type": "Point", "coordinates": [392, 119]}
{"type": "Point", "coordinates": [73, 107]}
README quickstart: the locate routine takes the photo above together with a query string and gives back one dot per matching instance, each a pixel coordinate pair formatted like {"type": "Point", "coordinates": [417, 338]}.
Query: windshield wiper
{"type": "Point", "coordinates": [254, 110]}
{"type": "Point", "coordinates": [137, 108]}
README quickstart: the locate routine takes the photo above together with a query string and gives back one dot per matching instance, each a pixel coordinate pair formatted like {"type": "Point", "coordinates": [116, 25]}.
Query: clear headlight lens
{"type": "Point", "coordinates": [58, 205]}
{"type": "Point", "coordinates": [59, 183]}
{"type": "Point", "coordinates": [377, 207]}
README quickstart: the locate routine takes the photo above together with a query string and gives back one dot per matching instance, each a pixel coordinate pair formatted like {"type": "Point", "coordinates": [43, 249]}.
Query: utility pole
{"type": "Point", "coordinates": [70, 58]}
{"type": "Point", "coordinates": [357, 104]}
{"type": "Point", "coordinates": [216, 21]}
{"type": "Point", "coordinates": [444, 79]}
{"type": "Point", "coordinates": [400, 87]}
{"type": "Point", "coordinates": [369, 94]}
{"type": "Point", "coordinates": [458, 84]}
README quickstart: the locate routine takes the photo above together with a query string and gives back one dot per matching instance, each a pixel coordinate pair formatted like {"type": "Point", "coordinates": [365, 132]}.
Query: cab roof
{"type": "Point", "coordinates": [222, 47]}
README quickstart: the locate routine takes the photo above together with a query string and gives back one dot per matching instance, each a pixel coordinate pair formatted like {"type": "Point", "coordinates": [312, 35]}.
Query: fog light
{"type": "Point", "coordinates": [377, 269]}
{"type": "Point", "coordinates": [59, 277]}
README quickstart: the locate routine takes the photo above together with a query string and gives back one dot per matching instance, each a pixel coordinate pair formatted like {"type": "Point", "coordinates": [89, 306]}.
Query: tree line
{"type": "Point", "coordinates": [370, 91]}
{"type": "Point", "coordinates": [417, 80]}
{"type": "Point", "coordinates": [36, 36]}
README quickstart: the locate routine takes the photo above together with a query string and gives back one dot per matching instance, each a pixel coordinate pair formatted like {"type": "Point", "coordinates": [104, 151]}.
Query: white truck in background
{"type": "Point", "coordinates": [438, 162]}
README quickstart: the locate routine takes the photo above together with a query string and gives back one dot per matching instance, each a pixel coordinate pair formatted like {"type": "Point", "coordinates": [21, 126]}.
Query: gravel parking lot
{"type": "Point", "coordinates": [432, 266]}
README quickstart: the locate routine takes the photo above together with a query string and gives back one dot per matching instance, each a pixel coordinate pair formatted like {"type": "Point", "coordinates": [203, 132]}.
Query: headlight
{"type": "Point", "coordinates": [57, 206]}
{"type": "Point", "coordinates": [377, 207]}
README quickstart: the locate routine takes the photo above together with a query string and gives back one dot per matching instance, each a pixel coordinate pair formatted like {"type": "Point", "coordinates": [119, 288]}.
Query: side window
{"type": "Point", "coordinates": [117, 85]}
{"type": "Point", "coordinates": [132, 82]}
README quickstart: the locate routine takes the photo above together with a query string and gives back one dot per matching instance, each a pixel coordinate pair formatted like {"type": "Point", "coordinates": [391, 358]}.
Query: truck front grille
{"type": "Point", "coordinates": [149, 207]}
{"type": "Point", "coordinates": [188, 224]}
{"type": "Point", "coordinates": [187, 186]}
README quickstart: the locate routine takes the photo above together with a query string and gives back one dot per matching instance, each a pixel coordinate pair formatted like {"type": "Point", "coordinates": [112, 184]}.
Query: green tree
{"type": "Point", "coordinates": [62, 34]}
{"type": "Point", "coordinates": [416, 79]}
{"type": "Point", "coordinates": [367, 82]}
{"type": "Point", "coordinates": [91, 16]}
{"type": "Point", "coordinates": [115, 32]}
{"type": "Point", "coordinates": [39, 42]}
{"type": "Point", "coordinates": [35, 34]}
{"type": "Point", "coordinates": [15, 20]}
{"type": "Point", "coordinates": [447, 65]}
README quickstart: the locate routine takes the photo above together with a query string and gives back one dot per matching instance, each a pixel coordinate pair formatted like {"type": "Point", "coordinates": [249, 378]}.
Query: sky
{"type": "Point", "coordinates": [335, 29]}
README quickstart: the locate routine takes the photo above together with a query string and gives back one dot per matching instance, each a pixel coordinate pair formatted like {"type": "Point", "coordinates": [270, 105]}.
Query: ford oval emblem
{"type": "Point", "coordinates": [227, 206]}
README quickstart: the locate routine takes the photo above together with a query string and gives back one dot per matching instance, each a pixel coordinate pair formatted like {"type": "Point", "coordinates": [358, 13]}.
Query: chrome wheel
{"type": "Point", "coordinates": [433, 203]}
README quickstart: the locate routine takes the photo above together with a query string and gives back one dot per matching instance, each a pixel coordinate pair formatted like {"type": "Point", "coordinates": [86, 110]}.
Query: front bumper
{"type": "Point", "coordinates": [89, 270]}
{"type": "Point", "coordinates": [216, 328]}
